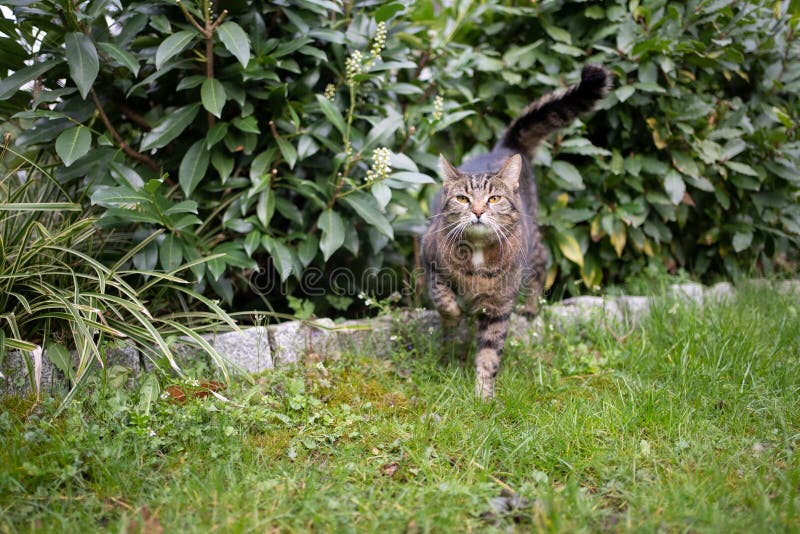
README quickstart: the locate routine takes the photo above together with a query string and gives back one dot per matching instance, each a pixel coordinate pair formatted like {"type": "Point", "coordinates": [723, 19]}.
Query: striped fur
{"type": "Point", "coordinates": [483, 244]}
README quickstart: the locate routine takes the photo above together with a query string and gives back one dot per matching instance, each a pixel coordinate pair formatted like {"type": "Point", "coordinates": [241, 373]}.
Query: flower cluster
{"type": "Point", "coordinates": [330, 91]}
{"type": "Point", "coordinates": [380, 40]}
{"type": "Point", "coordinates": [381, 167]}
{"type": "Point", "coordinates": [438, 106]}
{"type": "Point", "coordinates": [353, 65]}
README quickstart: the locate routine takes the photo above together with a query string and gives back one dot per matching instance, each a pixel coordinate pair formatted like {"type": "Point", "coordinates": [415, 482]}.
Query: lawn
{"type": "Point", "coordinates": [689, 423]}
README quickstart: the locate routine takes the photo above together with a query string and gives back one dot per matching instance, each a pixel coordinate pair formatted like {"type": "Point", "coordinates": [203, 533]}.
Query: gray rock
{"type": "Point", "coordinates": [721, 292]}
{"type": "Point", "coordinates": [248, 349]}
{"type": "Point", "coordinates": [634, 309]}
{"type": "Point", "coordinates": [292, 340]}
{"type": "Point", "coordinates": [791, 287]}
{"type": "Point", "coordinates": [520, 327]}
{"type": "Point", "coordinates": [125, 354]}
{"type": "Point", "coordinates": [692, 292]}
{"type": "Point", "coordinates": [371, 335]}
{"type": "Point", "coordinates": [16, 380]}
{"type": "Point", "coordinates": [581, 310]}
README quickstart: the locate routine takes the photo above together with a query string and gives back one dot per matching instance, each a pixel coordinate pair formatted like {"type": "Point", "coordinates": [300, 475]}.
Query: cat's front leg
{"type": "Point", "coordinates": [492, 329]}
{"type": "Point", "coordinates": [444, 299]}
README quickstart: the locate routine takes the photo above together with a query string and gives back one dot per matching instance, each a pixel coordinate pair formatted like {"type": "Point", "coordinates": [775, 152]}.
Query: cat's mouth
{"type": "Point", "coordinates": [478, 229]}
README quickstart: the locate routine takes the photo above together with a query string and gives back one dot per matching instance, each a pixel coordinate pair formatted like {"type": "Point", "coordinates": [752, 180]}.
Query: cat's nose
{"type": "Point", "coordinates": [479, 210]}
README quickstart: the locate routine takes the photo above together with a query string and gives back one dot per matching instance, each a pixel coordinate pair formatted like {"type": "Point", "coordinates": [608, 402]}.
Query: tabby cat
{"type": "Point", "coordinates": [483, 245]}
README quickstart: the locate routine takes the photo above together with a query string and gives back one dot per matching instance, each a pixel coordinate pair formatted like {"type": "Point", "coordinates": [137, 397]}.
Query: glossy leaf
{"type": "Point", "coordinates": [173, 45]}
{"type": "Point", "coordinates": [332, 228]}
{"type": "Point", "coordinates": [193, 167]}
{"type": "Point", "coordinates": [367, 208]}
{"type": "Point", "coordinates": [82, 60]}
{"type": "Point", "coordinates": [11, 84]}
{"type": "Point", "coordinates": [332, 114]}
{"type": "Point", "coordinates": [73, 144]}
{"type": "Point", "coordinates": [123, 57]}
{"type": "Point", "coordinates": [170, 127]}
{"type": "Point", "coordinates": [213, 96]}
{"type": "Point", "coordinates": [236, 41]}
{"type": "Point", "coordinates": [281, 256]}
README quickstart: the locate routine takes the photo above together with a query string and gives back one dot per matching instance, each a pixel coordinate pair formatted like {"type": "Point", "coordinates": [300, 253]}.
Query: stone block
{"type": "Point", "coordinates": [15, 379]}
{"type": "Point", "coordinates": [292, 340]}
{"type": "Point", "coordinates": [583, 310]}
{"type": "Point", "coordinates": [634, 308]}
{"type": "Point", "coordinates": [691, 292]}
{"type": "Point", "coordinates": [370, 336]}
{"type": "Point", "coordinates": [791, 287]}
{"type": "Point", "coordinates": [721, 292]}
{"type": "Point", "coordinates": [249, 349]}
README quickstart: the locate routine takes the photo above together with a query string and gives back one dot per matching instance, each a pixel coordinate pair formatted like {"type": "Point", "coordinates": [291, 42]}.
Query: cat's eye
{"type": "Point", "coordinates": [462, 199]}
{"type": "Point", "coordinates": [494, 199]}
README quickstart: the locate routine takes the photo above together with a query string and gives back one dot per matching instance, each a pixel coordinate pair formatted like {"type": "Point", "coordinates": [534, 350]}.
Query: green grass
{"type": "Point", "coordinates": [689, 424]}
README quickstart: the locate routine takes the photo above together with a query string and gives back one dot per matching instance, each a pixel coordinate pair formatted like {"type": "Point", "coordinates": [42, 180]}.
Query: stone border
{"type": "Point", "coordinates": [260, 348]}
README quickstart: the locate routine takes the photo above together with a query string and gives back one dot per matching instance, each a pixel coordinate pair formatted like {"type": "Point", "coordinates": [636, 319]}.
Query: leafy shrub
{"type": "Point", "coordinates": [258, 133]}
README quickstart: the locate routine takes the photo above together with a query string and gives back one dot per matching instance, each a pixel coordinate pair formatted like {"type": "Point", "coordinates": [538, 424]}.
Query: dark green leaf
{"type": "Point", "coordinates": [213, 95]}
{"type": "Point", "coordinates": [215, 134]}
{"type": "Point", "coordinates": [367, 208]}
{"type": "Point", "coordinates": [566, 175]}
{"type": "Point", "coordinates": [332, 228]}
{"type": "Point", "coordinates": [236, 41]}
{"type": "Point", "coordinates": [173, 45]}
{"type": "Point", "coordinates": [170, 253]}
{"type": "Point", "coordinates": [73, 144]}
{"type": "Point", "coordinates": [11, 84]}
{"type": "Point", "coordinates": [287, 150]}
{"type": "Point", "coordinates": [265, 207]}
{"type": "Point", "coordinates": [170, 127]}
{"type": "Point", "coordinates": [281, 256]}
{"type": "Point", "coordinates": [124, 175]}
{"type": "Point", "coordinates": [332, 114]}
{"type": "Point", "coordinates": [82, 60]}
{"type": "Point", "coordinates": [223, 164]}
{"type": "Point", "coordinates": [307, 250]}
{"type": "Point", "coordinates": [193, 167]}
{"type": "Point", "coordinates": [247, 124]}
{"type": "Point", "coordinates": [123, 57]}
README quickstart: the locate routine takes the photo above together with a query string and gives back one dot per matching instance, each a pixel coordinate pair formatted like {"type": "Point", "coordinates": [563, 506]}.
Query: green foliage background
{"type": "Point", "coordinates": [692, 162]}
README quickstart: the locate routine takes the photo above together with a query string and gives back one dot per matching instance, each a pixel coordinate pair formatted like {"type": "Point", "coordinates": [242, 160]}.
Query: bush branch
{"type": "Point", "coordinates": [147, 160]}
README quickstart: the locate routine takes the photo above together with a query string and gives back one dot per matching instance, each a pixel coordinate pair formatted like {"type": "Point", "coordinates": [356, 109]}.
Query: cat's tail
{"type": "Point", "coordinates": [556, 110]}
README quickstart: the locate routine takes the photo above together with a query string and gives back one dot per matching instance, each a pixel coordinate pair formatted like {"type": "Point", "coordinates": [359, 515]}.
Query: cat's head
{"type": "Point", "coordinates": [481, 207]}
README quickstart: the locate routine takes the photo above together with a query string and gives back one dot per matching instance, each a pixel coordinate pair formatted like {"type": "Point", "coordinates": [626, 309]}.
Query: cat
{"type": "Point", "coordinates": [483, 244]}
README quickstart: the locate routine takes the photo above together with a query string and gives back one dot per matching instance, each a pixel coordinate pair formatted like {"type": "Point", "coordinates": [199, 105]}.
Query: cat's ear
{"type": "Point", "coordinates": [449, 173]}
{"type": "Point", "coordinates": [511, 171]}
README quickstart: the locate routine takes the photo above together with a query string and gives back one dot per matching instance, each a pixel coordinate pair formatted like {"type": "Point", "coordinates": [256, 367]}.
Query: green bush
{"type": "Point", "coordinates": [259, 132]}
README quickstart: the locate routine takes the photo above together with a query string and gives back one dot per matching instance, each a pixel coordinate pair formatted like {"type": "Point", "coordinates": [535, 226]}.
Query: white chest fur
{"type": "Point", "coordinates": [477, 258]}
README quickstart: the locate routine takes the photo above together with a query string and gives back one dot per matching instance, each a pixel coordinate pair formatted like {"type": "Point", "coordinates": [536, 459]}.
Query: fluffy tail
{"type": "Point", "coordinates": [556, 110]}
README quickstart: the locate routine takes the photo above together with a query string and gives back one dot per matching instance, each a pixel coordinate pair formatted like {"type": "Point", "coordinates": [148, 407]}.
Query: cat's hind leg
{"type": "Point", "coordinates": [492, 330]}
{"type": "Point", "coordinates": [534, 279]}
